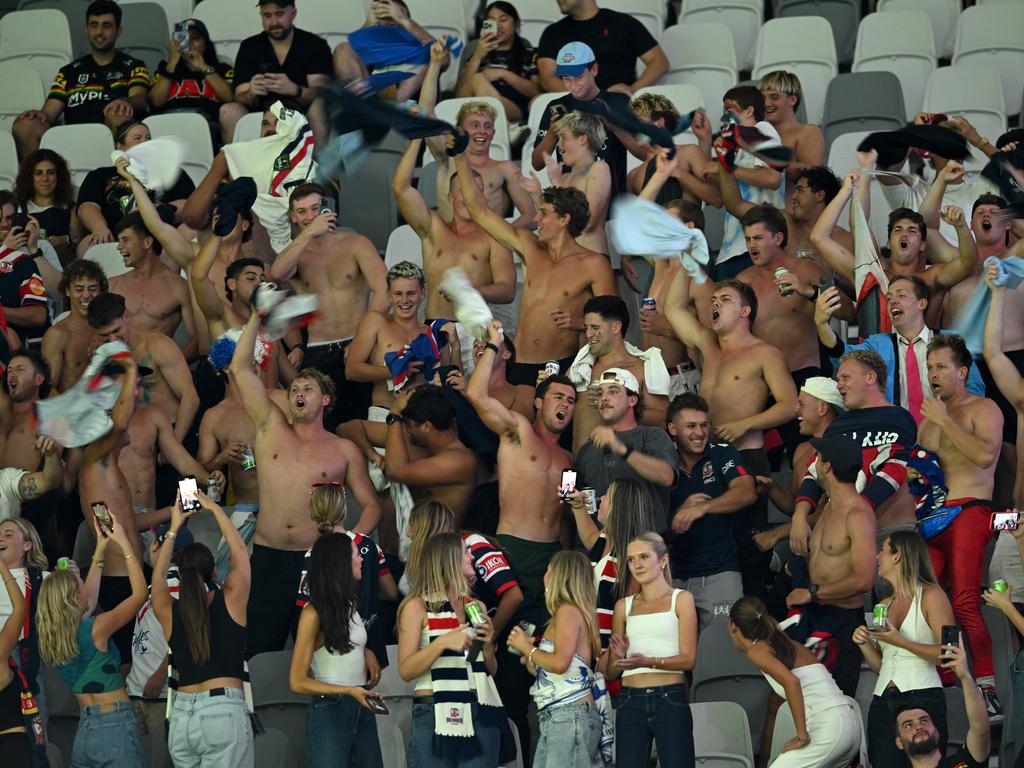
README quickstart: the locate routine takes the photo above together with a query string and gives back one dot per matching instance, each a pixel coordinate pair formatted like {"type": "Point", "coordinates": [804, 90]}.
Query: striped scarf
{"type": "Point", "coordinates": [454, 729]}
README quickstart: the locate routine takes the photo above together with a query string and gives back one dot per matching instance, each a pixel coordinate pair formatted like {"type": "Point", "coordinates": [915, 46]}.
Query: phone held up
{"type": "Point", "coordinates": [1006, 521]}
{"type": "Point", "coordinates": [99, 509]}
{"type": "Point", "coordinates": [950, 635]}
{"type": "Point", "coordinates": [187, 489]}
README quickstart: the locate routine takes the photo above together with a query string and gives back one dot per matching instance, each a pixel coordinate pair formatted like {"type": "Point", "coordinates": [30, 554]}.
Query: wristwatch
{"type": "Point", "coordinates": [208, 70]}
{"type": "Point", "coordinates": [393, 418]}
{"type": "Point", "coordinates": [813, 589]}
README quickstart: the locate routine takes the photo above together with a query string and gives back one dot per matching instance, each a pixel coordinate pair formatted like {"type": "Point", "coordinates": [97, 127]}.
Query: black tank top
{"type": "Point", "coordinates": [10, 704]}
{"type": "Point", "coordinates": [227, 645]}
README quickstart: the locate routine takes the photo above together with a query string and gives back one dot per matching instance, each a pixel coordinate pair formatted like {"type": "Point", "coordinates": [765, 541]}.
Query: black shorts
{"type": "Point", "coordinates": [351, 398]}
{"type": "Point", "coordinates": [993, 392]}
{"type": "Point", "coordinates": [274, 587]}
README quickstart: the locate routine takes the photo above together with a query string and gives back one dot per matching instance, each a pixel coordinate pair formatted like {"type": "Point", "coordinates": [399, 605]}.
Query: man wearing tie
{"type": "Point", "coordinates": [903, 351]}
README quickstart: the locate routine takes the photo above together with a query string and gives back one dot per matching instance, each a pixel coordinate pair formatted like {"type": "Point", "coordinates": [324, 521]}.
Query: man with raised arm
{"type": "Point", "coordinates": [562, 274]}
{"type": "Point", "coordinates": [292, 457]}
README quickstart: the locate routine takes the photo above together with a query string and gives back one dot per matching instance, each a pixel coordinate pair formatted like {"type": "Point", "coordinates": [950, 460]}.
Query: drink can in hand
{"type": "Point", "coordinates": [590, 497]}
{"type": "Point", "coordinates": [212, 491]}
{"type": "Point", "coordinates": [248, 458]}
{"type": "Point", "coordinates": [1000, 585]}
{"type": "Point", "coordinates": [787, 290]}
{"type": "Point", "coordinates": [649, 304]}
{"type": "Point", "coordinates": [63, 563]}
{"type": "Point", "coordinates": [475, 615]}
{"type": "Point", "coordinates": [552, 368]}
{"type": "Point", "coordinates": [880, 616]}
{"type": "Point", "coordinates": [530, 629]}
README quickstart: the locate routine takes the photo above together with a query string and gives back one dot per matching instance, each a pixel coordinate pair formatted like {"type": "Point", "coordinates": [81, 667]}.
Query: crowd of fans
{"type": "Point", "coordinates": [490, 453]}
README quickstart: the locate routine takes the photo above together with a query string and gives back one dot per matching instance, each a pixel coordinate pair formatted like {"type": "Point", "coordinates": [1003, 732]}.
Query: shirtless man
{"type": "Point", "coordinates": [343, 269]}
{"type": "Point", "coordinates": [782, 96]}
{"type": "Point", "coordinates": [462, 242]}
{"type": "Point", "coordinates": [292, 457]}
{"type": "Point", "coordinates": [964, 430]}
{"type": "Point", "coordinates": [169, 384]}
{"type": "Point", "coordinates": [26, 380]}
{"type": "Point", "coordinates": [67, 345]}
{"type": "Point", "coordinates": [560, 274]}
{"type": "Point", "coordinates": [530, 465]}
{"type": "Point", "coordinates": [841, 564]}
{"type": "Point", "coordinates": [157, 298]}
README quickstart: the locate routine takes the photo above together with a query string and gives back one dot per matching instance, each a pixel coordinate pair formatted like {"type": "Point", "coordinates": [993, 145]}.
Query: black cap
{"type": "Point", "coordinates": [275, 2]}
{"type": "Point", "coordinates": [843, 453]}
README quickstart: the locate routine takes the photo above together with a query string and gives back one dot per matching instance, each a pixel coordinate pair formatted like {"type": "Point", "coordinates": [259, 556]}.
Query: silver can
{"type": "Point", "coordinates": [248, 458]}
{"type": "Point", "coordinates": [783, 291]}
{"type": "Point", "coordinates": [552, 368]}
{"type": "Point", "coordinates": [590, 496]}
{"type": "Point", "coordinates": [211, 490]}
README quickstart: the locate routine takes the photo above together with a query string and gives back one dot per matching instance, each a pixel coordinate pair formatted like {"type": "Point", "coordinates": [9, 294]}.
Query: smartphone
{"type": "Point", "coordinates": [489, 27]}
{"type": "Point", "coordinates": [99, 509]}
{"type": "Point", "coordinates": [443, 371]}
{"type": "Point", "coordinates": [377, 705]}
{"type": "Point", "coordinates": [19, 219]}
{"type": "Point", "coordinates": [187, 489]}
{"type": "Point", "coordinates": [826, 282]}
{"type": "Point", "coordinates": [568, 485]}
{"type": "Point", "coordinates": [557, 111]}
{"type": "Point", "coordinates": [1005, 521]}
{"type": "Point", "coordinates": [327, 205]}
{"type": "Point", "coordinates": [181, 36]}
{"type": "Point", "coordinates": [266, 68]}
{"type": "Point", "coordinates": [950, 635]}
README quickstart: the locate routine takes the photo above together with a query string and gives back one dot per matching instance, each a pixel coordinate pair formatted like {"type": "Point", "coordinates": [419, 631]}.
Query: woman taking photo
{"type": "Point", "coordinates": [14, 744]}
{"type": "Point", "coordinates": [341, 728]}
{"type": "Point", "coordinates": [44, 187]}
{"type": "Point", "coordinates": [205, 630]}
{"type": "Point", "coordinates": [654, 641]}
{"type": "Point", "coordinates": [570, 727]}
{"type": "Point", "coordinates": [828, 727]}
{"type": "Point", "coordinates": [78, 645]}
{"type": "Point", "coordinates": [906, 651]}
{"type": "Point", "coordinates": [445, 644]}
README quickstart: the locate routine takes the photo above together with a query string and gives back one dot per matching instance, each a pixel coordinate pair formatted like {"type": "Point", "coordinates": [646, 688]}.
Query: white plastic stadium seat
{"type": "Point", "coordinates": [537, 109]}
{"type": "Point", "coordinates": [332, 20]}
{"type": "Point", "coordinates": [108, 257]}
{"type": "Point", "coordinates": [974, 92]}
{"type": "Point", "coordinates": [943, 15]}
{"type": "Point", "coordinates": [993, 36]}
{"type": "Point", "coordinates": [842, 157]}
{"type": "Point", "coordinates": [804, 46]}
{"type": "Point", "coordinates": [85, 147]}
{"type": "Point", "coordinates": [440, 18]}
{"type": "Point", "coordinates": [8, 161]}
{"type": "Point", "coordinates": [403, 245]}
{"type": "Point", "coordinates": [702, 55]}
{"type": "Point", "coordinates": [39, 40]}
{"type": "Point", "coordinates": [176, 10]}
{"type": "Point", "coordinates": [721, 734]}
{"type": "Point", "coordinates": [650, 13]}
{"type": "Point", "coordinates": [230, 22]}
{"type": "Point", "coordinates": [23, 89]}
{"type": "Point", "coordinates": [901, 42]}
{"type": "Point", "coordinates": [535, 16]}
{"type": "Point", "coordinates": [248, 128]}
{"type": "Point", "coordinates": [743, 17]}
{"type": "Point", "coordinates": [195, 132]}
{"type": "Point", "coordinates": [449, 108]}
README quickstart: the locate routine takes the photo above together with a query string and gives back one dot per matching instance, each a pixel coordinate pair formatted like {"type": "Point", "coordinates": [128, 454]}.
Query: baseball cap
{"type": "Point", "coordinates": [619, 376]}
{"type": "Point", "coordinates": [840, 451]}
{"type": "Point", "coordinates": [572, 59]}
{"type": "Point", "coordinates": [824, 389]}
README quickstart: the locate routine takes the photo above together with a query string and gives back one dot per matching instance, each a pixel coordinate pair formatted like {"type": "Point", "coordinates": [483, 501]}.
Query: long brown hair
{"type": "Point", "coordinates": [752, 619]}
{"type": "Point", "coordinates": [630, 512]}
{"type": "Point", "coordinates": [571, 582]}
{"type": "Point", "coordinates": [915, 564]}
{"type": "Point", "coordinates": [195, 568]}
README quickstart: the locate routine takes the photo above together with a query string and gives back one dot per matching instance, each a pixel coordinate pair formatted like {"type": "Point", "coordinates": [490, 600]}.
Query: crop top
{"type": "Point", "coordinates": [93, 671]}
{"type": "Point", "coordinates": [227, 645]}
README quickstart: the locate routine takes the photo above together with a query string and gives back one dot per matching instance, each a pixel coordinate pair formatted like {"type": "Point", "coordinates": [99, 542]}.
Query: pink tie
{"type": "Point", "coordinates": [914, 393]}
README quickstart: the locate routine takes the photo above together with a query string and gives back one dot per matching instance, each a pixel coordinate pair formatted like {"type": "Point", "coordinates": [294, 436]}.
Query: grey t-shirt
{"type": "Point", "coordinates": [597, 468]}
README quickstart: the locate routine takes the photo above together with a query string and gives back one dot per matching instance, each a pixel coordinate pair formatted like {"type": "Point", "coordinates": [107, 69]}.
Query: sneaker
{"type": "Point", "coordinates": [995, 709]}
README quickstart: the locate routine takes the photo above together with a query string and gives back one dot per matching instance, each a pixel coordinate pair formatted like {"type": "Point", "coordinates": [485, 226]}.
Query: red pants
{"type": "Point", "coordinates": [958, 556]}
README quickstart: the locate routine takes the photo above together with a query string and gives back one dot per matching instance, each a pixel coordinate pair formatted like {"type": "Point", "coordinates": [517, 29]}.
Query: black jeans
{"type": "Point", "coordinates": [275, 583]}
{"type": "Point", "coordinates": [881, 725]}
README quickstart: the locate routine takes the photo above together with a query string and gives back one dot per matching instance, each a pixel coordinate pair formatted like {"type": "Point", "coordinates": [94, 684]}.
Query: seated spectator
{"type": "Point", "coordinates": [105, 196]}
{"type": "Point", "coordinates": [78, 642]}
{"type": "Point", "coordinates": [828, 727]}
{"type": "Point", "coordinates": [782, 96]}
{"type": "Point", "coordinates": [331, 644]}
{"type": "Point", "coordinates": [570, 727]}
{"type": "Point", "coordinates": [617, 40]}
{"type": "Point", "coordinates": [14, 739]}
{"type": "Point", "coordinates": [503, 64]}
{"type": "Point", "coordinates": [653, 646]}
{"type": "Point", "coordinates": [193, 79]}
{"type": "Point", "coordinates": [905, 652]}
{"type": "Point", "coordinates": [22, 290]}
{"type": "Point", "coordinates": [282, 63]}
{"type": "Point", "coordinates": [104, 86]}
{"type": "Point", "coordinates": [44, 187]}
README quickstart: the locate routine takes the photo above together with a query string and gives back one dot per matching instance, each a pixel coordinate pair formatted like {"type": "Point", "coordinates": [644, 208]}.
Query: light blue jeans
{"type": "Point", "coordinates": [211, 731]}
{"type": "Point", "coordinates": [570, 735]}
{"type": "Point", "coordinates": [107, 737]}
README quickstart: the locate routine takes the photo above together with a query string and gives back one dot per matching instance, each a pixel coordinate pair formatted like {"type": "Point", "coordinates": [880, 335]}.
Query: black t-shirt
{"type": "Point", "coordinates": [617, 40]}
{"type": "Point", "coordinates": [613, 152]}
{"type": "Point", "coordinates": [519, 60]}
{"type": "Point", "coordinates": [113, 194]}
{"type": "Point", "coordinates": [190, 90]}
{"type": "Point", "coordinates": [709, 546]}
{"type": "Point", "coordinates": [308, 55]}
{"type": "Point", "coordinates": [962, 758]}
{"type": "Point", "coordinates": [84, 87]}
{"type": "Point", "coordinates": [55, 220]}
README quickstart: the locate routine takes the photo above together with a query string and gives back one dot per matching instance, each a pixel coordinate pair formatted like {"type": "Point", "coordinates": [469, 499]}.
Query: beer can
{"type": "Point", "coordinates": [1000, 585]}
{"type": "Point", "coordinates": [211, 490]}
{"type": "Point", "coordinates": [64, 562]}
{"type": "Point", "coordinates": [530, 629]}
{"type": "Point", "coordinates": [590, 496]}
{"type": "Point", "coordinates": [880, 616]}
{"type": "Point", "coordinates": [475, 614]}
{"type": "Point", "coordinates": [648, 305]}
{"type": "Point", "coordinates": [552, 368]}
{"type": "Point", "coordinates": [783, 291]}
{"type": "Point", "coordinates": [248, 458]}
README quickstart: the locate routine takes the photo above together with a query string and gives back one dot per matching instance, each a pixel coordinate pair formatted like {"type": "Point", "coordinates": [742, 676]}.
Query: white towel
{"type": "Point", "coordinates": [656, 377]}
{"type": "Point", "coordinates": [155, 163]}
{"type": "Point", "coordinates": [470, 308]}
{"type": "Point", "coordinates": [642, 228]}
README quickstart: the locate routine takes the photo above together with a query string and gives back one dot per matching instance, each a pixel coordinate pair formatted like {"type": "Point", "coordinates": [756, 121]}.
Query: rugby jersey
{"type": "Point", "coordinates": [85, 87]}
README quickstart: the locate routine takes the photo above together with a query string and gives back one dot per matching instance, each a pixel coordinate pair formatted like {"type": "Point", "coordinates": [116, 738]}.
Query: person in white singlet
{"type": "Point", "coordinates": [906, 652]}
{"type": "Point", "coordinates": [828, 728]}
{"type": "Point", "coordinates": [653, 643]}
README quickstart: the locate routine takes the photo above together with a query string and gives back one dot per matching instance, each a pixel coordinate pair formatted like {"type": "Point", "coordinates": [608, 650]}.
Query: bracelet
{"type": "Point", "coordinates": [491, 346]}
{"type": "Point", "coordinates": [171, 535]}
{"type": "Point", "coordinates": [128, 557]}
{"type": "Point", "coordinates": [530, 657]}
{"type": "Point", "coordinates": [629, 450]}
{"type": "Point", "coordinates": [98, 563]}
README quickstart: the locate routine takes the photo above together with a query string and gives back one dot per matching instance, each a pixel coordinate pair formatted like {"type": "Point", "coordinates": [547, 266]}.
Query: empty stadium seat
{"type": "Point", "coordinates": [23, 89]}
{"type": "Point", "coordinates": [330, 19]}
{"type": "Point", "coordinates": [862, 101]}
{"type": "Point", "coordinates": [784, 730]}
{"type": "Point", "coordinates": [842, 15]}
{"type": "Point", "coordinates": [271, 749]}
{"type": "Point", "coordinates": [108, 257]}
{"type": "Point", "coordinates": [178, 10]}
{"type": "Point", "coordinates": [942, 13]}
{"type": "Point", "coordinates": [62, 711]}
{"type": "Point", "coordinates": [392, 742]}
{"type": "Point", "coordinates": [248, 128]}
{"type": "Point", "coordinates": [8, 161]}
{"type": "Point", "coordinates": [427, 182]}
{"type": "Point", "coordinates": [537, 108]}
{"type": "Point", "coordinates": [743, 17]}
{"type": "Point", "coordinates": [651, 13]}
{"type": "Point", "coordinates": [229, 23]}
{"type": "Point", "coordinates": [534, 17]}
{"type": "Point", "coordinates": [440, 18]}
{"type": "Point", "coordinates": [366, 200]}
{"type": "Point", "coordinates": [403, 245]}
{"type": "Point", "coordinates": [275, 703]}
{"type": "Point", "coordinates": [701, 55]}
{"type": "Point", "coordinates": [804, 46]}
{"type": "Point", "coordinates": [974, 92]}
{"type": "Point", "coordinates": [900, 42]}
{"type": "Point", "coordinates": [193, 129]}
{"type": "Point", "coordinates": [74, 11]}
{"type": "Point", "coordinates": [37, 39]}
{"type": "Point", "coordinates": [721, 734]}
{"type": "Point", "coordinates": [993, 36]}
{"type": "Point", "coordinates": [145, 33]}
{"type": "Point", "coordinates": [449, 108]}
{"type": "Point", "coordinates": [85, 147]}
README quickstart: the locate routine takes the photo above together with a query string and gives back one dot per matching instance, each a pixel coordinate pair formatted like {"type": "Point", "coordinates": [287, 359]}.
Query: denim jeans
{"type": "Point", "coordinates": [1017, 696]}
{"type": "Point", "coordinates": [421, 754]}
{"type": "Point", "coordinates": [107, 737]}
{"type": "Point", "coordinates": [340, 732]}
{"type": "Point", "coordinates": [881, 725]}
{"type": "Point", "coordinates": [211, 731]}
{"type": "Point", "coordinates": [662, 714]}
{"type": "Point", "coordinates": [569, 736]}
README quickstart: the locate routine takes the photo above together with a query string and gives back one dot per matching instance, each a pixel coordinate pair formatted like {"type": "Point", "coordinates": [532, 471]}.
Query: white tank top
{"type": "Point", "coordinates": [655, 635]}
{"type": "Point", "coordinates": [343, 668]}
{"type": "Point", "coordinates": [906, 670]}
